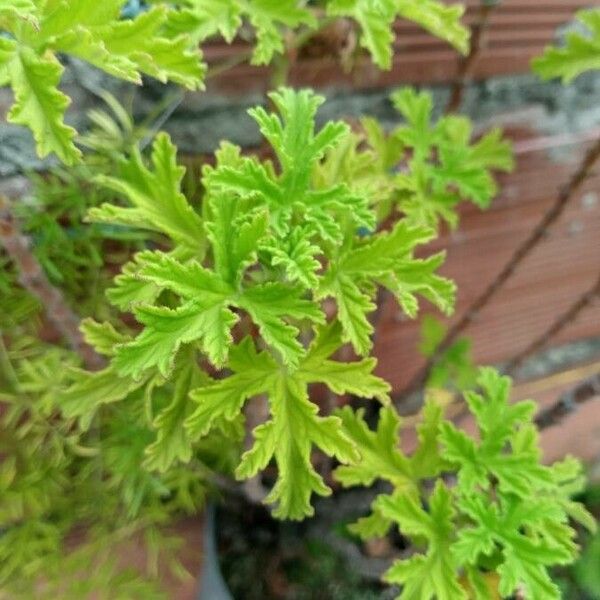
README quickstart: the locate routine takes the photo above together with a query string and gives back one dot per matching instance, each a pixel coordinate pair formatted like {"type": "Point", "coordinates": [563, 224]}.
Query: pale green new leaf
{"type": "Point", "coordinates": [205, 313]}
{"type": "Point", "coordinates": [384, 259]}
{"type": "Point", "coordinates": [295, 426]}
{"type": "Point", "coordinates": [380, 454]}
{"type": "Point", "coordinates": [202, 19]}
{"type": "Point", "coordinates": [429, 576]}
{"type": "Point", "coordinates": [39, 105]}
{"type": "Point", "coordinates": [103, 337]}
{"type": "Point", "coordinates": [158, 204]}
{"type": "Point", "coordinates": [446, 165]}
{"type": "Point", "coordinates": [290, 195]}
{"type": "Point", "coordinates": [518, 469]}
{"type": "Point", "coordinates": [580, 53]}
{"type": "Point", "coordinates": [93, 32]}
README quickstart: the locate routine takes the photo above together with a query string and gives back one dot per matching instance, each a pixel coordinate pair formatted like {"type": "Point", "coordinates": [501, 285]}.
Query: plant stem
{"type": "Point", "coordinates": [34, 280]}
{"type": "Point", "coordinates": [7, 368]}
{"type": "Point", "coordinates": [467, 64]}
{"type": "Point", "coordinates": [559, 324]}
{"type": "Point", "coordinates": [565, 194]}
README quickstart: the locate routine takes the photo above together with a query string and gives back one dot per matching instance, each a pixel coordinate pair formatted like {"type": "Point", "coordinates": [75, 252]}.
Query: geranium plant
{"type": "Point", "coordinates": [228, 309]}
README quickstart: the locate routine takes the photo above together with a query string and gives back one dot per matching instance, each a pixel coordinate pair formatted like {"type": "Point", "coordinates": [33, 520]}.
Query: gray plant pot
{"type": "Point", "coordinates": [212, 584]}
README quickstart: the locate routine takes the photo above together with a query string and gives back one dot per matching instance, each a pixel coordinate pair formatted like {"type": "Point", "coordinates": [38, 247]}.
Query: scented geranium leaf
{"type": "Point", "coordinates": [297, 256]}
{"type": "Point", "coordinates": [235, 233]}
{"type": "Point", "coordinates": [295, 426]}
{"type": "Point", "coordinates": [446, 166]}
{"type": "Point", "coordinates": [382, 458]}
{"type": "Point", "coordinates": [468, 167]}
{"type": "Point", "coordinates": [158, 204]}
{"type": "Point", "coordinates": [354, 377]}
{"type": "Point", "coordinates": [205, 314]}
{"type": "Point", "coordinates": [173, 443]}
{"type": "Point", "coordinates": [90, 390]}
{"type": "Point", "coordinates": [129, 288]}
{"type": "Point", "coordinates": [384, 259]}
{"type": "Point", "coordinates": [40, 32]}
{"type": "Point", "coordinates": [140, 41]}
{"type": "Point", "coordinates": [201, 19]}
{"type": "Point", "coordinates": [268, 304]}
{"type": "Point", "coordinates": [441, 20]}
{"type": "Point", "coordinates": [374, 525]}
{"type": "Point", "coordinates": [427, 461]}
{"type": "Point", "coordinates": [268, 17]}
{"type": "Point", "coordinates": [289, 437]}
{"type": "Point", "coordinates": [289, 194]}
{"type": "Point", "coordinates": [569, 478]}
{"type": "Point", "coordinates": [166, 329]}
{"type": "Point", "coordinates": [431, 575]}
{"type": "Point", "coordinates": [526, 556]}
{"type": "Point", "coordinates": [580, 53]}
{"type": "Point", "coordinates": [376, 18]}
{"type": "Point", "coordinates": [39, 105]}
{"type": "Point", "coordinates": [516, 467]}
{"type": "Point", "coordinates": [224, 398]}
{"type": "Point", "coordinates": [380, 454]}
{"type": "Point", "coordinates": [103, 337]}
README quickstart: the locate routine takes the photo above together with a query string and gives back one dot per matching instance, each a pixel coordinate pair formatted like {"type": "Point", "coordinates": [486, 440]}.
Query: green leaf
{"type": "Point", "coordinates": [202, 19]}
{"type": "Point", "coordinates": [439, 19]}
{"type": "Point", "coordinates": [518, 471]}
{"type": "Point", "coordinates": [376, 18]}
{"type": "Point", "coordinates": [158, 204]}
{"type": "Point", "coordinates": [290, 195]}
{"type": "Point", "coordinates": [295, 426]}
{"type": "Point", "coordinates": [580, 52]}
{"type": "Point", "coordinates": [173, 443]}
{"type": "Point", "coordinates": [268, 304]}
{"type": "Point", "coordinates": [39, 105]}
{"type": "Point", "coordinates": [525, 558]}
{"type": "Point", "coordinates": [431, 575]}
{"type": "Point", "coordinates": [380, 454]}
{"type": "Point", "coordinates": [446, 166]}
{"type": "Point", "coordinates": [102, 336]}
{"type": "Point", "coordinates": [129, 288]}
{"type": "Point", "coordinates": [167, 329]}
{"type": "Point", "coordinates": [92, 32]}
{"type": "Point", "coordinates": [385, 259]}
{"type": "Point", "coordinates": [91, 390]}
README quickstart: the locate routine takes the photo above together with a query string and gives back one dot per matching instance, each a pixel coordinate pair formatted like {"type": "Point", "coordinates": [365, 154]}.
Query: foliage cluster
{"type": "Point", "coordinates": [255, 296]}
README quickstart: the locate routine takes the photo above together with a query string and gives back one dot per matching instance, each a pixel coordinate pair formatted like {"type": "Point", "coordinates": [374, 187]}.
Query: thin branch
{"type": "Point", "coordinates": [467, 64]}
{"type": "Point", "coordinates": [569, 402]}
{"type": "Point", "coordinates": [34, 280]}
{"type": "Point", "coordinates": [535, 237]}
{"type": "Point", "coordinates": [585, 300]}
